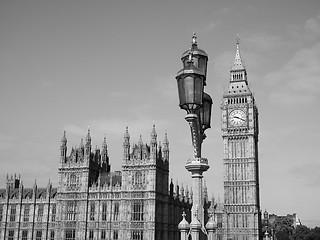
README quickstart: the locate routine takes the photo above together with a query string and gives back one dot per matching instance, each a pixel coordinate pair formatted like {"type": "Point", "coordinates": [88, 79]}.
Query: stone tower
{"type": "Point", "coordinates": [241, 218]}
{"type": "Point", "coordinates": [78, 172]}
{"type": "Point", "coordinates": [145, 185]}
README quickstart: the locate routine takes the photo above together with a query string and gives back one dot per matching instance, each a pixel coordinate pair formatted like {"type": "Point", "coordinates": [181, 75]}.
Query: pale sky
{"type": "Point", "coordinates": [65, 65]}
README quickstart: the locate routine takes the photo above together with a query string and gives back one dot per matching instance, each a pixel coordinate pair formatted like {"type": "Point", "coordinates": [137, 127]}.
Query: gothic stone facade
{"type": "Point", "coordinates": [93, 203]}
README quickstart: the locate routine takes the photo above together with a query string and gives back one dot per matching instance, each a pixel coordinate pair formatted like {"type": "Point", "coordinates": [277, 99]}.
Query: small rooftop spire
{"type": "Point", "coordinates": [140, 141]}
{"type": "Point", "coordinates": [165, 141]}
{"type": "Point", "coordinates": [126, 134]}
{"type": "Point", "coordinates": [81, 143]}
{"type": "Point", "coordinates": [64, 138]}
{"type": "Point", "coordinates": [153, 133]}
{"type": "Point", "coordinates": [104, 144]}
{"type": "Point", "coordinates": [88, 138]}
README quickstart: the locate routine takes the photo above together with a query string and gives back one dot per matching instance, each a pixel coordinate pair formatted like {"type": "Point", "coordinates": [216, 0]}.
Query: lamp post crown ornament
{"type": "Point", "coordinates": [194, 39]}
{"type": "Point", "coordinates": [190, 56]}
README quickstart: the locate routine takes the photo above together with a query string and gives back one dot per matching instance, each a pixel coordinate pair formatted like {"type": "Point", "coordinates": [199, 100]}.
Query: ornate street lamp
{"type": "Point", "coordinates": [192, 98]}
{"type": "Point", "coordinates": [190, 86]}
{"type": "Point", "coordinates": [204, 113]}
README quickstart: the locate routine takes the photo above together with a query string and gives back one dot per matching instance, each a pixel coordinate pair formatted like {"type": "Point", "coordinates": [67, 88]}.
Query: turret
{"type": "Point", "coordinates": [81, 144]}
{"type": "Point", "coordinates": [171, 188]}
{"type": "Point", "coordinates": [177, 188]}
{"type": "Point", "coordinates": [153, 145]}
{"type": "Point", "coordinates": [140, 145]}
{"type": "Point", "coordinates": [13, 182]}
{"type": "Point", "coordinates": [104, 155]}
{"type": "Point", "coordinates": [104, 152]}
{"type": "Point", "coordinates": [181, 192]}
{"type": "Point", "coordinates": [265, 217]}
{"type": "Point", "coordinates": [126, 145]}
{"type": "Point", "coordinates": [88, 146]}
{"type": "Point", "coordinates": [63, 148]}
{"type": "Point", "coordinates": [165, 149]}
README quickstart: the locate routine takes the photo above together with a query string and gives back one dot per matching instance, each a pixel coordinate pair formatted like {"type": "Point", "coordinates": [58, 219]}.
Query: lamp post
{"type": "Point", "coordinates": [192, 98]}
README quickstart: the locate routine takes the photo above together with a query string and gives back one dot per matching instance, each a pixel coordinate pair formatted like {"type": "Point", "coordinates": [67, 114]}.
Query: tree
{"type": "Point", "coordinates": [316, 230]}
{"type": "Point", "coordinates": [311, 236]}
{"type": "Point", "coordinates": [283, 224]}
{"type": "Point", "coordinates": [300, 232]}
{"type": "Point", "coordinates": [282, 235]}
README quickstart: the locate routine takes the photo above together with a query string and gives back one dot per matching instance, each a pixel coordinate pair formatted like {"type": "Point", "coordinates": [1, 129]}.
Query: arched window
{"type": "Point", "coordinates": [137, 211]}
{"type": "Point", "coordinates": [73, 180]}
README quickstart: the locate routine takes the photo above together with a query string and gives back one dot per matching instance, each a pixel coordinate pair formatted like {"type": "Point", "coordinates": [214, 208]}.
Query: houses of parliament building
{"type": "Point", "coordinates": [93, 203]}
{"type": "Point", "coordinates": [140, 202]}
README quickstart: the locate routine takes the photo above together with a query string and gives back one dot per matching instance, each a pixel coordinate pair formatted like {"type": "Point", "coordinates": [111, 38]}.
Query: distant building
{"type": "Point", "coordinates": [91, 202]}
{"type": "Point", "coordinates": [269, 223]}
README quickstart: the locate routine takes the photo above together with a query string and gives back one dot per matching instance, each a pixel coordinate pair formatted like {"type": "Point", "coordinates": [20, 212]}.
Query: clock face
{"type": "Point", "coordinates": [237, 118]}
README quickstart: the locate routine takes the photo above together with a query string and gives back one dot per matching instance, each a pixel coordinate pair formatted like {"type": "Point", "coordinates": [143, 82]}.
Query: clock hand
{"type": "Point", "coordinates": [239, 118]}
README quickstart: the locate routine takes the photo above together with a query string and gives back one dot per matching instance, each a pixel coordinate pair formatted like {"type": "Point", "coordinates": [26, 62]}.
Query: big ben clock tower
{"type": "Point", "coordinates": [241, 219]}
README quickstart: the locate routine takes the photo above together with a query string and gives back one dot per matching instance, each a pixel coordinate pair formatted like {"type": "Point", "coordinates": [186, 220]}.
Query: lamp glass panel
{"type": "Point", "coordinates": [203, 65]}
{"type": "Point", "coordinates": [189, 85]}
{"type": "Point", "coordinates": [181, 90]}
{"type": "Point", "coordinates": [198, 90]}
{"type": "Point", "coordinates": [206, 114]}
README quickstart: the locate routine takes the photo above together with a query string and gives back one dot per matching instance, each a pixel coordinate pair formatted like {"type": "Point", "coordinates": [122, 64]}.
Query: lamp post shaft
{"type": "Point", "coordinates": [196, 134]}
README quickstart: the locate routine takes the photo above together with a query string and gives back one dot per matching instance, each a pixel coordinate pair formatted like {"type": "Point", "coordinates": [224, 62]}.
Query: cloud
{"type": "Point", "coordinates": [307, 32]}
{"type": "Point", "coordinates": [299, 79]}
{"type": "Point", "coordinates": [312, 25]}
{"type": "Point", "coordinates": [307, 172]}
{"type": "Point", "coordinates": [262, 41]}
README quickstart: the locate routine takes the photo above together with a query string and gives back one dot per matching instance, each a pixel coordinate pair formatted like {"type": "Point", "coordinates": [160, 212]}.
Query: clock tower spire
{"type": "Point", "coordinates": [241, 219]}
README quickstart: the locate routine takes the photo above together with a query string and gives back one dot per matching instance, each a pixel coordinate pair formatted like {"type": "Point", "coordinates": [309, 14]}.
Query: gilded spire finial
{"type": "Point", "coordinates": [237, 39]}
